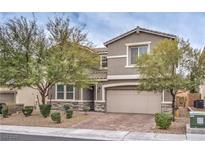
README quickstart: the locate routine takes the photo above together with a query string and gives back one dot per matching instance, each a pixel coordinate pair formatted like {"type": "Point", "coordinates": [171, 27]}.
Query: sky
{"type": "Point", "coordinates": [102, 27]}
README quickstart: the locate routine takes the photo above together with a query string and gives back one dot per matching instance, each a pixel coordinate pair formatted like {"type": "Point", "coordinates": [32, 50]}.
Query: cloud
{"type": "Point", "coordinates": [104, 26]}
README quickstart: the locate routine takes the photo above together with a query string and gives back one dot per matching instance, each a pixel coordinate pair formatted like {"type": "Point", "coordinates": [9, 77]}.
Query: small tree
{"type": "Point", "coordinates": [165, 68]}
{"type": "Point", "coordinates": [41, 56]}
{"type": "Point", "coordinates": [197, 67]}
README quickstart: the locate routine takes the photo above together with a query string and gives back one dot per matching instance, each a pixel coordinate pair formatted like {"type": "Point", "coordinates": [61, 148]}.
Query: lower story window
{"type": "Point", "coordinates": [65, 92]}
{"type": "Point", "coordinates": [60, 91]}
{"type": "Point", "coordinates": [69, 92]}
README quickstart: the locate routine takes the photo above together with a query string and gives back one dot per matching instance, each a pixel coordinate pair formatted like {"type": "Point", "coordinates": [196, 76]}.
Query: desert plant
{"type": "Point", "coordinates": [86, 109]}
{"type": "Point", "coordinates": [66, 107]}
{"type": "Point", "coordinates": [69, 113]}
{"type": "Point", "coordinates": [27, 110]}
{"type": "Point", "coordinates": [45, 109]}
{"type": "Point", "coordinates": [56, 116]}
{"type": "Point", "coordinates": [5, 111]}
{"type": "Point", "coordinates": [163, 120]}
{"type": "Point", "coordinates": [1, 107]}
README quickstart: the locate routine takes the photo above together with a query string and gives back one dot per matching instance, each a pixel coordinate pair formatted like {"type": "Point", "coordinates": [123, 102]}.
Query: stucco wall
{"type": "Point", "coordinates": [119, 48]}
{"type": "Point", "coordinates": [27, 96]}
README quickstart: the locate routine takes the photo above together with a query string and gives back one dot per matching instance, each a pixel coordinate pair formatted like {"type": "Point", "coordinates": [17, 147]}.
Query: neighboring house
{"type": "Point", "coordinates": [26, 95]}
{"type": "Point", "coordinates": [117, 78]}
{"type": "Point", "coordinates": [202, 91]}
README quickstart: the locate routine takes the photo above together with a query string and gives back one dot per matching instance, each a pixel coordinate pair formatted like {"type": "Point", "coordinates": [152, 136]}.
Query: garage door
{"type": "Point", "coordinates": [8, 98]}
{"type": "Point", "coordinates": [129, 101]}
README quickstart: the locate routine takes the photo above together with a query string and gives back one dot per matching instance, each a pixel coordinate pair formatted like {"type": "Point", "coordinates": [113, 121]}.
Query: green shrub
{"type": "Point", "coordinates": [69, 113]}
{"type": "Point", "coordinates": [163, 120]}
{"type": "Point", "coordinates": [5, 111]}
{"type": "Point", "coordinates": [1, 107]}
{"type": "Point", "coordinates": [45, 110]}
{"type": "Point", "coordinates": [56, 116]}
{"type": "Point", "coordinates": [66, 107]}
{"type": "Point", "coordinates": [27, 110]}
{"type": "Point", "coordinates": [86, 109]}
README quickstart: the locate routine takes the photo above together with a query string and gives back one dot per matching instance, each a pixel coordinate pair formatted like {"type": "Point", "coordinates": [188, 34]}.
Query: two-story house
{"type": "Point", "coordinates": [117, 78]}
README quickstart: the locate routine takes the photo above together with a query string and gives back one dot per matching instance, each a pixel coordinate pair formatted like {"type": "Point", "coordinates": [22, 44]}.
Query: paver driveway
{"type": "Point", "coordinates": [114, 121]}
{"type": "Point", "coordinates": [128, 122]}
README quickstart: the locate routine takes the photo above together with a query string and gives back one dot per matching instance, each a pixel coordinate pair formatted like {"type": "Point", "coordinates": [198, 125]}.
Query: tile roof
{"type": "Point", "coordinates": [140, 29]}
{"type": "Point", "coordinates": [100, 50]}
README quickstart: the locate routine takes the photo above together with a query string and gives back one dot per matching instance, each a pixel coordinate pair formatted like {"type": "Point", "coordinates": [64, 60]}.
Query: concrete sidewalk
{"type": "Point", "coordinates": [98, 134]}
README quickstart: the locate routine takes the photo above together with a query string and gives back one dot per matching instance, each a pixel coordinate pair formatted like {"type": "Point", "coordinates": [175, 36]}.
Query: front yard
{"type": "Point", "coordinates": [37, 120]}
{"type": "Point", "coordinates": [130, 122]}
{"type": "Point", "coordinates": [96, 120]}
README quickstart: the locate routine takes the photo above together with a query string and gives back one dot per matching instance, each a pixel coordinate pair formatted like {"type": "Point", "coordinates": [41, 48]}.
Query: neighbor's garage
{"type": "Point", "coordinates": [129, 101]}
{"type": "Point", "coordinates": [7, 97]}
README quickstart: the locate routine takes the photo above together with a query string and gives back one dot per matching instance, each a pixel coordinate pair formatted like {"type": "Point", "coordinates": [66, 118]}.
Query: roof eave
{"type": "Point", "coordinates": [138, 29]}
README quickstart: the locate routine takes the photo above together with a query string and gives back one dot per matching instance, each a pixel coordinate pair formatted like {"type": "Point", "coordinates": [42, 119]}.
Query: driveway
{"type": "Point", "coordinates": [122, 122]}
{"type": "Point", "coordinates": [97, 120]}
{"type": "Point", "coordinates": [129, 122]}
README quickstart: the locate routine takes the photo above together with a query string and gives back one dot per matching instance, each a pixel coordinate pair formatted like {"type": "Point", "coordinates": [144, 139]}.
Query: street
{"type": "Point", "coordinates": [21, 137]}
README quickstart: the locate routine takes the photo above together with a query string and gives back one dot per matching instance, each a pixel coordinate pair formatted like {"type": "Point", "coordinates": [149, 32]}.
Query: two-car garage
{"type": "Point", "coordinates": [131, 101]}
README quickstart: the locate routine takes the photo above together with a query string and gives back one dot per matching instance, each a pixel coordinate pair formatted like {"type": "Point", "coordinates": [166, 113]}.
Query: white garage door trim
{"type": "Point", "coordinates": [129, 101]}
{"type": "Point", "coordinates": [116, 85]}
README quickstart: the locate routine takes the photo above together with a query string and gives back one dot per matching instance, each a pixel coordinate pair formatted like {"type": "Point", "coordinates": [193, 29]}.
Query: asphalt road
{"type": "Point", "coordinates": [21, 137]}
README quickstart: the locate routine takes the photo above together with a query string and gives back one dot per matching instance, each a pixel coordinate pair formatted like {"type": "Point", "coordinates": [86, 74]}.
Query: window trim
{"type": "Point", "coordinates": [65, 92]}
{"type": "Point", "coordinates": [101, 62]}
{"type": "Point", "coordinates": [128, 45]}
{"type": "Point", "coordinates": [62, 92]}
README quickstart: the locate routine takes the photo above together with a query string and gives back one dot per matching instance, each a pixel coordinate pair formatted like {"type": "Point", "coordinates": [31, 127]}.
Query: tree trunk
{"type": "Point", "coordinates": [43, 95]}
{"type": "Point", "coordinates": [43, 90]}
{"type": "Point", "coordinates": [43, 99]}
{"type": "Point", "coordinates": [173, 103]}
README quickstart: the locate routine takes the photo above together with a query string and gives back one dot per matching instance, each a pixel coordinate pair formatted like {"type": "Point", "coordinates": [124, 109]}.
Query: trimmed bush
{"type": "Point", "coordinates": [66, 107]}
{"type": "Point", "coordinates": [5, 111]}
{"type": "Point", "coordinates": [1, 107]}
{"type": "Point", "coordinates": [69, 113]}
{"type": "Point", "coordinates": [27, 110]}
{"type": "Point", "coordinates": [86, 109]}
{"type": "Point", "coordinates": [45, 110]}
{"type": "Point", "coordinates": [163, 120]}
{"type": "Point", "coordinates": [56, 117]}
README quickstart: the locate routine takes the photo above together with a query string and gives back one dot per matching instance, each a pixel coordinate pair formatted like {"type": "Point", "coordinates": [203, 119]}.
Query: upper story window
{"type": "Point", "coordinates": [65, 92]}
{"type": "Point", "coordinates": [103, 61]}
{"type": "Point", "coordinates": [134, 51]}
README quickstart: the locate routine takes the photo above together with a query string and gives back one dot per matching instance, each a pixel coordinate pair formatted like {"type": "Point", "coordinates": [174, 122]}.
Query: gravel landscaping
{"type": "Point", "coordinates": [96, 120]}
{"type": "Point", "coordinates": [38, 120]}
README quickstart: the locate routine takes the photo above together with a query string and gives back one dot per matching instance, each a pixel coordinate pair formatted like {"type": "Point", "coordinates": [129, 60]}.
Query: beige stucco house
{"type": "Point", "coordinates": [117, 79]}
{"type": "Point", "coordinates": [26, 95]}
{"type": "Point", "coordinates": [202, 91]}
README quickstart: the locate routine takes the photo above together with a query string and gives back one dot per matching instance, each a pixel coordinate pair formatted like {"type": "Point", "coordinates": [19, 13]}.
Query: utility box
{"type": "Point", "coordinates": [197, 119]}
{"type": "Point", "coordinates": [199, 104]}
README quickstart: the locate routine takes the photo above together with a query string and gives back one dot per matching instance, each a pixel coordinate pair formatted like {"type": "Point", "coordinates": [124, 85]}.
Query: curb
{"type": "Point", "coordinates": [104, 135]}
{"type": "Point", "coordinates": [65, 132]}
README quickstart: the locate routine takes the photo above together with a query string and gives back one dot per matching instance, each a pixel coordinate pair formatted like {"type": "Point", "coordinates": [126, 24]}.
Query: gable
{"type": "Point", "coordinates": [118, 47]}
{"type": "Point", "coordinates": [139, 31]}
